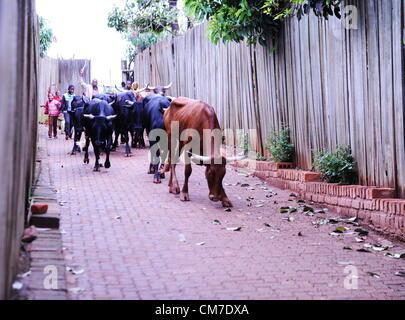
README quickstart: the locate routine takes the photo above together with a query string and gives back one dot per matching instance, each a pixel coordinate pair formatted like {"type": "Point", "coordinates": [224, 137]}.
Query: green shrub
{"type": "Point", "coordinates": [336, 166]}
{"type": "Point", "coordinates": [280, 147]}
{"type": "Point", "coordinates": [259, 157]}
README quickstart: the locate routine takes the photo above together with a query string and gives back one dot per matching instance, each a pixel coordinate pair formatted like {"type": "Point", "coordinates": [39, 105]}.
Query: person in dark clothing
{"type": "Point", "coordinates": [68, 111]}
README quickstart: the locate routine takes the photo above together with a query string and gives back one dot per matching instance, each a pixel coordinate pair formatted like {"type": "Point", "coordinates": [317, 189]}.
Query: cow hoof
{"type": "Point", "coordinates": [226, 203]}
{"type": "Point", "coordinates": [151, 172]}
{"type": "Point", "coordinates": [86, 161]}
{"type": "Point", "coordinates": [73, 153]}
{"type": "Point", "coordinates": [157, 181]}
{"type": "Point", "coordinates": [107, 165]}
{"type": "Point", "coordinates": [174, 190]}
{"type": "Point", "coordinates": [184, 197]}
{"type": "Point", "coordinates": [96, 170]}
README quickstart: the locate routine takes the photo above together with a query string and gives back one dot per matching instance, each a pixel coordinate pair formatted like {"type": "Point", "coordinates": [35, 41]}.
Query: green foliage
{"type": "Point", "coordinates": [254, 20]}
{"type": "Point", "coordinates": [143, 22]}
{"type": "Point", "coordinates": [280, 147]}
{"type": "Point", "coordinates": [259, 157]}
{"type": "Point", "coordinates": [45, 37]}
{"type": "Point", "coordinates": [336, 166]}
{"type": "Point", "coordinates": [244, 143]}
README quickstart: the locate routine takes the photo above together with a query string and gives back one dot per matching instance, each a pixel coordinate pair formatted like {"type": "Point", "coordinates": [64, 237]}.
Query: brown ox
{"type": "Point", "coordinates": [198, 116]}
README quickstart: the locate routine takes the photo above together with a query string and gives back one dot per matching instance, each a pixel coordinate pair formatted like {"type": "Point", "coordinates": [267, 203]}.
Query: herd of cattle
{"type": "Point", "coordinates": [128, 114]}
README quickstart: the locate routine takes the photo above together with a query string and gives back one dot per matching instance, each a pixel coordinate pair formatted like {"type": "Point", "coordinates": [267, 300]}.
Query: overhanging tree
{"type": "Point", "coordinates": [144, 22]}
{"type": "Point", "coordinates": [254, 20]}
{"type": "Point", "coordinates": [45, 37]}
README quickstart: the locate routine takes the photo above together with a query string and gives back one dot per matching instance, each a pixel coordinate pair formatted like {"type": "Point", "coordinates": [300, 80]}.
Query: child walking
{"type": "Point", "coordinates": [52, 109]}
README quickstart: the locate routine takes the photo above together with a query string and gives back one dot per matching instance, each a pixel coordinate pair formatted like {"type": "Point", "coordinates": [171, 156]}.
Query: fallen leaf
{"type": "Point", "coordinates": [344, 263]}
{"type": "Point", "coordinates": [300, 234]}
{"type": "Point", "coordinates": [380, 249]}
{"type": "Point", "coordinates": [289, 219]}
{"type": "Point", "coordinates": [373, 274]}
{"type": "Point", "coordinates": [76, 290]}
{"type": "Point", "coordinates": [75, 272]}
{"type": "Point", "coordinates": [341, 230]}
{"type": "Point", "coordinates": [395, 255]}
{"type": "Point", "coordinates": [245, 185]}
{"type": "Point", "coordinates": [24, 275]}
{"type": "Point", "coordinates": [359, 240]}
{"type": "Point", "coordinates": [362, 232]}
{"type": "Point", "coordinates": [217, 222]}
{"type": "Point", "coordinates": [309, 209]}
{"type": "Point", "coordinates": [347, 248]}
{"type": "Point", "coordinates": [200, 244]}
{"type": "Point", "coordinates": [335, 234]}
{"type": "Point", "coordinates": [18, 285]}
{"type": "Point", "coordinates": [400, 274]}
{"type": "Point", "coordinates": [259, 205]}
{"type": "Point", "coordinates": [364, 250]}
{"type": "Point", "coordinates": [228, 210]}
{"type": "Point", "coordinates": [234, 229]}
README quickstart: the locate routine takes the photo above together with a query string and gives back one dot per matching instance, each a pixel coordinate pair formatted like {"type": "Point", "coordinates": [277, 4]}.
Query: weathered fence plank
{"type": "Point", "coordinates": [18, 128]}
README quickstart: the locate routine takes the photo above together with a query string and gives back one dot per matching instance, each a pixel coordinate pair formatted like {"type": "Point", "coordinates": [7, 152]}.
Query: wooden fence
{"type": "Point", "coordinates": [330, 84]}
{"type": "Point", "coordinates": [62, 73]}
{"type": "Point", "coordinates": [18, 127]}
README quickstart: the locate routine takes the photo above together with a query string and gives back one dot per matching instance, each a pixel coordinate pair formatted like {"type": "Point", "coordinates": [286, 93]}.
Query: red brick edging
{"type": "Point", "coordinates": [377, 207]}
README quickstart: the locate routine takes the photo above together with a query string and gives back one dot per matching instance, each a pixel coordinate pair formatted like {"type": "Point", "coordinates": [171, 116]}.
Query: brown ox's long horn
{"type": "Point", "coordinates": [141, 90]}
{"type": "Point", "coordinates": [169, 86]}
{"type": "Point", "coordinates": [237, 158]}
{"type": "Point", "coordinates": [196, 158]}
{"type": "Point", "coordinates": [150, 88]}
{"type": "Point", "coordinates": [119, 90]}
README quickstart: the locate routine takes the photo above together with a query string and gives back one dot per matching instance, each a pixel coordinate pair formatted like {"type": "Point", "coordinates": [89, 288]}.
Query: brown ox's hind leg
{"type": "Point", "coordinates": [184, 196]}
{"type": "Point", "coordinates": [174, 186]}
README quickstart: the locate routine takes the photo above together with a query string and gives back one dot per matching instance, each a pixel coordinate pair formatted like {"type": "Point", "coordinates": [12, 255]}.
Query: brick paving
{"type": "Point", "coordinates": [134, 240]}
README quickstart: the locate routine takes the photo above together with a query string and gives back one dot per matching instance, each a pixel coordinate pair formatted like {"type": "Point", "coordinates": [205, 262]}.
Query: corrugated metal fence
{"type": "Point", "coordinates": [331, 85]}
{"type": "Point", "coordinates": [18, 126]}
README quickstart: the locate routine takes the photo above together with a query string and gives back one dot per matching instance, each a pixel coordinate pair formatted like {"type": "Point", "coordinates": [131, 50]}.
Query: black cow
{"type": "Point", "coordinates": [124, 106]}
{"type": "Point", "coordinates": [78, 105]}
{"type": "Point", "coordinates": [99, 128]}
{"type": "Point", "coordinates": [153, 119]}
{"type": "Point", "coordinates": [138, 140]}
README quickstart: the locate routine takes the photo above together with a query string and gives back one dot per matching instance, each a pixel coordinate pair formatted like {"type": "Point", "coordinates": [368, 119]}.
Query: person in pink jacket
{"type": "Point", "coordinates": [52, 109]}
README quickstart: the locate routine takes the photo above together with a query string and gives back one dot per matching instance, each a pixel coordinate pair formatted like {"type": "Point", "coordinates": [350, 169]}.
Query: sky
{"type": "Point", "coordinates": [81, 31]}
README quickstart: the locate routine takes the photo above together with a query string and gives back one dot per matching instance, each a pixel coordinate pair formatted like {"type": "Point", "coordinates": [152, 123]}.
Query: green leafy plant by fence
{"type": "Point", "coordinates": [280, 147]}
{"type": "Point", "coordinates": [336, 166]}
